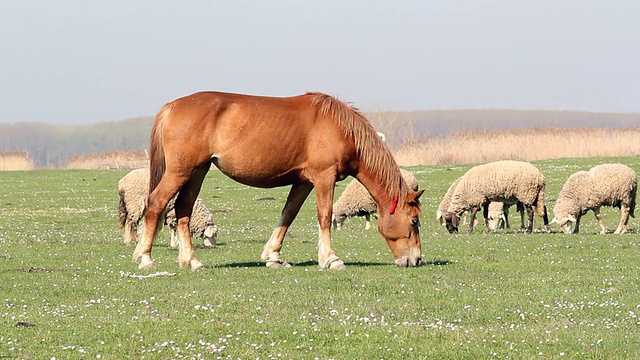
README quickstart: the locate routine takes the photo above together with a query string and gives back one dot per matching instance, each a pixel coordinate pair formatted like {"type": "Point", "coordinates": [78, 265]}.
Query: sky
{"type": "Point", "coordinates": [80, 62]}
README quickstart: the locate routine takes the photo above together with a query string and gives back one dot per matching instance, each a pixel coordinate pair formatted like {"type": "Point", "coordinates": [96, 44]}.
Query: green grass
{"type": "Point", "coordinates": [504, 295]}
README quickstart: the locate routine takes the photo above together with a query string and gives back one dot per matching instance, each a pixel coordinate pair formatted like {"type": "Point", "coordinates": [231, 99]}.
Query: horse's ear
{"type": "Point", "coordinates": [418, 194]}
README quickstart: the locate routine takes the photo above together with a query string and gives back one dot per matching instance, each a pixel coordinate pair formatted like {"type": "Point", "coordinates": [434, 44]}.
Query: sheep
{"type": "Point", "coordinates": [498, 216]}
{"type": "Point", "coordinates": [133, 190]}
{"type": "Point", "coordinates": [505, 181]}
{"type": "Point", "coordinates": [607, 184]}
{"type": "Point", "coordinates": [355, 200]}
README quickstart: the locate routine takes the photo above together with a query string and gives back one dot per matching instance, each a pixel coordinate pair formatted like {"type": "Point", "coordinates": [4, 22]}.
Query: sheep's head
{"type": "Point", "coordinates": [496, 221]}
{"type": "Point", "coordinates": [210, 234]}
{"type": "Point", "coordinates": [400, 227]}
{"type": "Point", "coordinates": [452, 221]}
{"type": "Point", "coordinates": [337, 221]}
{"type": "Point", "coordinates": [565, 222]}
{"type": "Point", "coordinates": [565, 214]}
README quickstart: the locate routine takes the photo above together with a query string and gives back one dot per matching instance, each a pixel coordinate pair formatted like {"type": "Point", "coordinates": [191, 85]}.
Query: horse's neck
{"type": "Point", "coordinates": [377, 189]}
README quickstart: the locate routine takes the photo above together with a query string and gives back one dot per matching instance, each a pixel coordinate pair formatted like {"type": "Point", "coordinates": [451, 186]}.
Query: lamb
{"type": "Point", "coordinates": [498, 216]}
{"type": "Point", "coordinates": [133, 189]}
{"type": "Point", "coordinates": [355, 200]}
{"type": "Point", "coordinates": [607, 184]}
{"type": "Point", "coordinates": [505, 181]}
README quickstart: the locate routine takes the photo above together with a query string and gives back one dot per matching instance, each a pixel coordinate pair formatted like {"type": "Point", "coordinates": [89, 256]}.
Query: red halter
{"type": "Point", "coordinates": [394, 204]}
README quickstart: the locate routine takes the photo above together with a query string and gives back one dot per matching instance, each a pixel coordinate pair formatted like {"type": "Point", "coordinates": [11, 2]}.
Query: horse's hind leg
{"type": "Point", "coordinates": [184, 206]}
{"type": "Point", "coordinates": [158, 200]}
{"type": "Point", "coordinates": [271, 252]}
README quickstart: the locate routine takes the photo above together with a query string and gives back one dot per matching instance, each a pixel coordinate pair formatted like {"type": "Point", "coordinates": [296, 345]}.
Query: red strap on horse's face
{"type": "Point", "coordinates": [394, 204]}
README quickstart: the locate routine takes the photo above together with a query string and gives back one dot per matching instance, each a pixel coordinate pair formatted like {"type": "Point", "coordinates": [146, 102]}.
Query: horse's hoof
{"type": "Point", "coordinates": [334, 263]}
{"type": "Point", "coordinates": [277, 264]}
{"type": "Point", "coordinates": [146, 265]}
{"type": "Point", "coordinates": [196, 264]}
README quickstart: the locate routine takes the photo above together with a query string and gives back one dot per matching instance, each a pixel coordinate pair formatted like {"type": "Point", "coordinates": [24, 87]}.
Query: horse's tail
{"type": "Point", "coordinates": [122, 210]}
{"type": "Point", "coordinates": [156, 150]}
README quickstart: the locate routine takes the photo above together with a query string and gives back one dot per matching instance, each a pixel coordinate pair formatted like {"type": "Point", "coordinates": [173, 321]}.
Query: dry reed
{"type": "Point", "coordinates": [16, 160]}
{"type": "Point", "coordinates": [109, 160]}
{"type": "Point", "coordinates": [527, 145]}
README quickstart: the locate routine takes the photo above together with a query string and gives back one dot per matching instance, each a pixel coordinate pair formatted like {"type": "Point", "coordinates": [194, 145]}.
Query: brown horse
{"type": "Point", "coordinates": [307, 141]}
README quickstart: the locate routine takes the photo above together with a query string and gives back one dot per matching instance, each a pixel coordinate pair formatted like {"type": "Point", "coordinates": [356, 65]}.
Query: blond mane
{"type": "Point", "coordinates": [375, 156]}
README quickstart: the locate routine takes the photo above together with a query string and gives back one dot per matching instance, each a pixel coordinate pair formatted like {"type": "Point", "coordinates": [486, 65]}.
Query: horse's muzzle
{"type": "Point", "coordinates": [409, 262]}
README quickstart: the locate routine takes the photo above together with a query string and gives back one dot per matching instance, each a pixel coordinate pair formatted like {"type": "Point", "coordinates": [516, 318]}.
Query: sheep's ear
{"type": "Point", "coordinates": [571, 218]}
{"type": "Point", "coordinates": [554, 220]}
{"type": "Point", "coordinates": [438, 214]}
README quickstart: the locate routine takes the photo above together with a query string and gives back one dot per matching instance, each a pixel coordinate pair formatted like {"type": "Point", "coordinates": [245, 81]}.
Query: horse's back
{"type": "Point", "coordinates": [257, 140]}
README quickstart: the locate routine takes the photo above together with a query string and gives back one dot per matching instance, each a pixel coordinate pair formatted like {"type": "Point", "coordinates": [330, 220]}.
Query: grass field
{"type": "Point", "coordinates": [64, 269]}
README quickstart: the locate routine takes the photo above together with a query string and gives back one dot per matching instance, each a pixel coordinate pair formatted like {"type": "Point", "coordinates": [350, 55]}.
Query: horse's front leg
{"type": "Point", "coordinates": [271, 252]}
{"type": "Point", "coordinates": [327, 258]}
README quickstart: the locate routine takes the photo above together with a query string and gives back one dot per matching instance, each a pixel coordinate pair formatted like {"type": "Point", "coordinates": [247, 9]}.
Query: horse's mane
{"type": "Point", "coordinates": [375, 156]}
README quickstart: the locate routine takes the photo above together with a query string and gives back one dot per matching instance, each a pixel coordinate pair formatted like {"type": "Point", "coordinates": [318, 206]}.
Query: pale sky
{"type": "Point", "coordinates": [81, 61]}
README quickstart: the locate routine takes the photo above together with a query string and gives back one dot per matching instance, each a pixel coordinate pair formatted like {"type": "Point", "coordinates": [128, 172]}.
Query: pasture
{"type": "Point", "coordinates": [69, 289]}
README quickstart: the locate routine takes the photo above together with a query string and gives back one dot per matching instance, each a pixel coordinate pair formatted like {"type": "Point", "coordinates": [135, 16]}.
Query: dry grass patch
{"type": "Point", "coordinates": [527, 145]}
{"type": "Point", "coordinates": [127, 159]}
{"type": "Point", "coordinates": [16, 160]}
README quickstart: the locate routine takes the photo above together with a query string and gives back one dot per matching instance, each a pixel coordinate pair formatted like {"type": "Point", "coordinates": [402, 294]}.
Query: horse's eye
{"type": "Point", "coordinates": [415, 222]}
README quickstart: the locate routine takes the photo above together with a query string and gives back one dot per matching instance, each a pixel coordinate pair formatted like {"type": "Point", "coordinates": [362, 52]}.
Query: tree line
{"type": "Point", "coordinates": [50, 145]}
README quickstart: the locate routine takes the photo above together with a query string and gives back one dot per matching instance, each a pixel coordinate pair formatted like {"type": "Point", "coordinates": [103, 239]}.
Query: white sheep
{"type": "Point", "coordinates": [603, 185]}
{"type": "Point", "coordinates": [355, 200]}
{"type": "Point", "coordinates": [504, 181]}
{"type": "Point", "coordinates": [498, 216]}
{"type": "Point", "coordinates": [133, 189]}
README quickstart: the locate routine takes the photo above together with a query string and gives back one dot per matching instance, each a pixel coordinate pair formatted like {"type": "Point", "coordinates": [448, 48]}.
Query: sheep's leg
{"type": "Point", "coordinates": [174, 236]}
{"type": "Point", "coordinates": [129, 232]}
{"type": "Point", "coordinates": [545, 220]}
{"type": "Point", "coordinates": [271, 252]}
{"type": "Point", "coordinates": [505, 219]}
{"type": "Point", "coordinates": [520, 208]}
{"type": "Point", "coordinates": [530, 218]}
{"type": "Point", "coordinates": [598, 215]}
{"type": "Point", "coordinates": [485, 213]}
{"type": "Point", "coordinates": [472, 220]}
{"type": "Point", "coordinates": [576, 228]}
{"type": "Point", "coordinates": [624, 220]}
{"type": "Point", "coordinates": [367, 218]}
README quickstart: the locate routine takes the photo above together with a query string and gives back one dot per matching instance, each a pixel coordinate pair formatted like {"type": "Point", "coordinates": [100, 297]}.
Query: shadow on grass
{"type": "Point", "coordinates": [311, 263]}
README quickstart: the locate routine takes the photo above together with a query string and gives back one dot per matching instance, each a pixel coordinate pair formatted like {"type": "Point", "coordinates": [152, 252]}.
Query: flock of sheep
{"type": "Point", "coordinates": [492, 187]}
{"type": "Point", "coordinates": [495, 186]}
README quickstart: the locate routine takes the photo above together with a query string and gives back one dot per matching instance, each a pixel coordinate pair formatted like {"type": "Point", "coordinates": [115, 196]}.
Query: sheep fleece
{"type": "Point", "coordinates": [505, 181]}
{"type": "Point", "coordinates": [606, 184]}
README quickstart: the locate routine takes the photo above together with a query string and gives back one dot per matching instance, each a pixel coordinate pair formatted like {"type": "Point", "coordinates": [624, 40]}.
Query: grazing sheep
{"type": "Point", "coordinates": [603, 185]}
{"type": "Point", "coordinates": [498, 216]}
{"type": "Point", "coordinates": [355, 200]}
{"type": "Point", "coordinates": [133, 189]}
{"type": "Point", "coordinates": [504, 181]}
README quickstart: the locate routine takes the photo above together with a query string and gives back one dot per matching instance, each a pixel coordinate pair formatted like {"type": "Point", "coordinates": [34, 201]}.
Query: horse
{"type": "Point", "coordinates": [306, 141]}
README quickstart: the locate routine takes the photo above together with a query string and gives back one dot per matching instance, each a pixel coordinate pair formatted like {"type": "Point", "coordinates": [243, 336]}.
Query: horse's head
{"type": "Point", "coordinates": [400, 227]}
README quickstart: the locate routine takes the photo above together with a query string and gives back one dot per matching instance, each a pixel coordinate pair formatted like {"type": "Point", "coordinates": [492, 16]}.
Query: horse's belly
{"type": "Point", "coordinates": [258, 172]}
